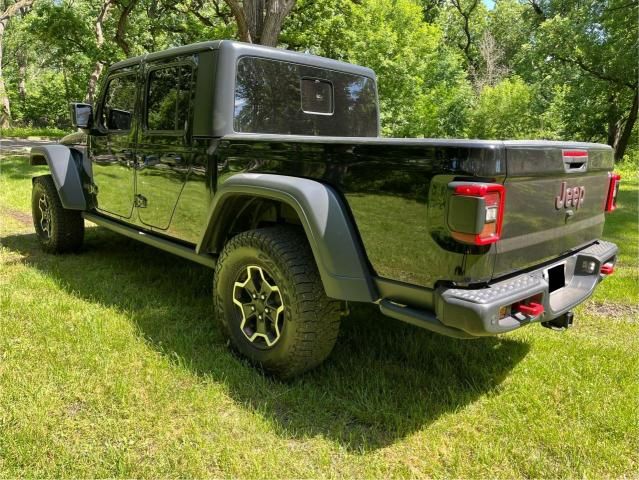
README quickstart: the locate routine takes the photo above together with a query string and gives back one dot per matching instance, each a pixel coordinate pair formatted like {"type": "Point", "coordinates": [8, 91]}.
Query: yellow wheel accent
{"type": "Point", "coordinates": [260, 303]}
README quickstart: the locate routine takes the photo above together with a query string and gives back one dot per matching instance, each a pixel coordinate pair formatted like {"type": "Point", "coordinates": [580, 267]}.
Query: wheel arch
{"type": "Point", "coordinates": [330, 232]}
{"type": "Point", "coordinates": [65, 173]}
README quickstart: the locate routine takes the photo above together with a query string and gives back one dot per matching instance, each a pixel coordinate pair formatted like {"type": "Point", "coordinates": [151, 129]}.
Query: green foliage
{"type": "Point", "coordinates": [554, 69]}
{"type": "Point", "coordinates": [504, 111]}
{"type": "Point", "coordinates": [629, 166]}
{"type": "Point", "coordinates": [47, 104]}
{"type": "Point", "coordinates": [24, 132]}
{"type": "Point", "coordinates": [423, 88]}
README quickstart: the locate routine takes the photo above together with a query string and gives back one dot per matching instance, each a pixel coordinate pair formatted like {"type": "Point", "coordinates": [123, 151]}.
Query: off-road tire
{"type": "Point", "coordinates": [65, 227]}
{"type": "Point", "coordinates": [311, 319]}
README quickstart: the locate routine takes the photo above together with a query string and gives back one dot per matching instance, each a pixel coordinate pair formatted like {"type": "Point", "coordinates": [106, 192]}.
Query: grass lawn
{"type": "Point", "coordinates": [110, 366]}
{"type": "Point", "coordinates": [22, 132]}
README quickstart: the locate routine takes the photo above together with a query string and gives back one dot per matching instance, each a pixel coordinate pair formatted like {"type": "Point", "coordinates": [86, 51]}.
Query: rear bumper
{"type": "Point", "coordinates": [492, 309]}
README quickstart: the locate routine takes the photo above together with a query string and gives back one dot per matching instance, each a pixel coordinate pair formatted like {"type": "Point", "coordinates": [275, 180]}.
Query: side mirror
{"type": "Point", "coordinates": [81, 115]}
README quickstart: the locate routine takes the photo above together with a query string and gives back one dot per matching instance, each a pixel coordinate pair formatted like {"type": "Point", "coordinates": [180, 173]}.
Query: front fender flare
{"type": "Point", "coordinates": [333, 239]}
{"type": "Point", "coordinates": [64, 171]}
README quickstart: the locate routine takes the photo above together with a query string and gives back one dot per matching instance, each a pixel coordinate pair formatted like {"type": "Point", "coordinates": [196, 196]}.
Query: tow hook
{"type": "Point", "coordinates": [560, 323]}
{"type": "Point", "coordinates": [532, 309]}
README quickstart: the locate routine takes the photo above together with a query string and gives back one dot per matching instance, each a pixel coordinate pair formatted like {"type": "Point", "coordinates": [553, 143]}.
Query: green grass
{"type": "Point", "coordinates": [23, 132]}
{"type": "Point", "coordinates": [110, 367]}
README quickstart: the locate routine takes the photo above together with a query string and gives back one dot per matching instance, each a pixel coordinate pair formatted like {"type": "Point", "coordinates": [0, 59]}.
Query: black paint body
{"type": "Point", "coordinates": [394, 191]}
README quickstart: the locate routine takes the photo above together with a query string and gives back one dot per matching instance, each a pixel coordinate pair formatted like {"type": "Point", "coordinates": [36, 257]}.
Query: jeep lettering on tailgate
{"type": "Point", "coordinates": [570, 197]}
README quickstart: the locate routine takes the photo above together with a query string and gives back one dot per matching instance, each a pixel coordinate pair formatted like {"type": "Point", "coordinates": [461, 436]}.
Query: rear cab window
{"type": "Point", "coordinates": [278, 97]}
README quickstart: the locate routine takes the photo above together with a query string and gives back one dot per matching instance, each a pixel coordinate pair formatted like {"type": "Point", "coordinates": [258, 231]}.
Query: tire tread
{"type": "Point", "coordinates": [318, 316]}
{"type": "Point", "coordinates": [69, 232]}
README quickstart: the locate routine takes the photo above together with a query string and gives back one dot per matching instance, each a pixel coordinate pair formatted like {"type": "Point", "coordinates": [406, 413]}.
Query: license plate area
{"type": "Point", "coordinates": [556, 277]}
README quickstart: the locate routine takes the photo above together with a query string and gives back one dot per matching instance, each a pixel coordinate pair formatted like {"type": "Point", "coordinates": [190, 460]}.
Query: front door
{"type": "Point", "coordinates": [164, 147]}
{"type": "Point", "coordinates": [112, 154]}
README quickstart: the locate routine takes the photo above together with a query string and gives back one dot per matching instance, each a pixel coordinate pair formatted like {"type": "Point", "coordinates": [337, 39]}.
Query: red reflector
{"type": "Point", "coordinates": [532, 309]}
{"type": "Point", "coordinates": [607, 268]}
{"type": "Point", "coordinates": [575, 153]}
{"type": "Point", "coordinates": [613, 188]}
{"type": "Point", "coordinates": [473, 189]}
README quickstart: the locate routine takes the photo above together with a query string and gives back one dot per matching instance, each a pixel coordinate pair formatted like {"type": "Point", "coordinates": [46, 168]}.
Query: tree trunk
{"type": "Point", "coordinates": [624, 130]}
{"type": "Point", "coordinates": [123, 21]}
{"type": "Point", "coordinates": [240, 18]}
{"type": "Point", "coordinates": [93, 81]}
{"type": "Point", "coordinates": [260, 21]}
{"type": "Point", "coordinates": [99, 41]}
{"type": "Point", "coordinates": [254, 13]}
{"type": "Point", "coordinates": [8, 13]}
{"type": "Point", "coordinates": [277, 11]}
{"type": "Point", "coordinates": [5, 108]}
{"type": "Point", "coordinates": [22, 75]}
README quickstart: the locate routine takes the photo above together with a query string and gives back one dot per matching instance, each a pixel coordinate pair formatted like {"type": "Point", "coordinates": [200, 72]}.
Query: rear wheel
{"type": "Point", "coordinates": [270, 301]}
{"type": "Point", "coordinates": [58, 229]}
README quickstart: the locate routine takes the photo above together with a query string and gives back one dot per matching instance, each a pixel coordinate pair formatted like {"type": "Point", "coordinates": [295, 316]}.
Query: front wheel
{"type": "Point", "coordinates": [58, 229]}
{"type": "Point", "coordinates": [270, 301]}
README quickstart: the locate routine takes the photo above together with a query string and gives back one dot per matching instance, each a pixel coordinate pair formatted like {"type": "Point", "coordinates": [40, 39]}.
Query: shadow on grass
{"type": "Point", "coordinates": [384, 380]}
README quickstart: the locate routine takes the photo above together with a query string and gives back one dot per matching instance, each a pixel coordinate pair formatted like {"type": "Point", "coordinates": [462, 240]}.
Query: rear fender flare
{"type": "Point", "coordinates": [333, 239]}
{"type": "Point", "coordinates": [64, 171]}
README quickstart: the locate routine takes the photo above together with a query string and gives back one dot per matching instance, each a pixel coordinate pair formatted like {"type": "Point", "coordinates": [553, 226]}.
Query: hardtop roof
{"type": "Point", "coordinates": [239, 49]}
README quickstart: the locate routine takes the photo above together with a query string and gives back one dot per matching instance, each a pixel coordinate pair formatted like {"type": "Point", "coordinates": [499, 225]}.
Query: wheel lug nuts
{"type": "Point", "coordinates": [262, 297]}
{"type": "Point", "coordinates": [259, 317]}
{"type": "Point", "coordinates": [266, 310]}
{"type": "Point", "coordinates": [252, 308]}
{"type": "Point", "coordinates": [254, 296]}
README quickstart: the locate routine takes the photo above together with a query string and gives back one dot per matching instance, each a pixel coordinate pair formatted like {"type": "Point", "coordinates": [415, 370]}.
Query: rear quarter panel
{"type": "Point", "coordinates": [395, 189]}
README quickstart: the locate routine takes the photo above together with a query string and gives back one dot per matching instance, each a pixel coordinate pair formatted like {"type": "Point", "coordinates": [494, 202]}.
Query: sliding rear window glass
{"type": "Point", "coordinates": [278, 97]}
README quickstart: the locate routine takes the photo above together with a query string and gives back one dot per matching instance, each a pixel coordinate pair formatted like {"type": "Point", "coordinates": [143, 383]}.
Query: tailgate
{"type": "Point", "coordinates": [542, 220]}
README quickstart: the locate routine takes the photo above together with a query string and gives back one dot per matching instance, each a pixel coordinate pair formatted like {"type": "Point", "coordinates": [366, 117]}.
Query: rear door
{"type": "Point", "coordinates": [164, 143]}
{"type": "Point", "coordinates": [555, 201]}
{"type": "Point", "coordinates": [112, 154]}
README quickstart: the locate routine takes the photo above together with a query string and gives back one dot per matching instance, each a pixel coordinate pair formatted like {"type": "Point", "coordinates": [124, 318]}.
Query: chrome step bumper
{"type": "Point", "coordinates": [496, 307]}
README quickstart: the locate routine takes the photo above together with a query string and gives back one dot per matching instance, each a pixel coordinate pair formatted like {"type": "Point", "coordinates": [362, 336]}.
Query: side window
{"type": "Point", "coordinates": [167, 105]}
{"type": "Point", "coordinates": [119, 103]}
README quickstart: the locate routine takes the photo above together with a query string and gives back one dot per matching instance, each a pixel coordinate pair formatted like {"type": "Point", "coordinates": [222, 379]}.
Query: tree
{"type": "Point", "coordinates": [592, 46]}
{"type": "Point", "coordinates": [505, 111]}
{"type": "Point", "coordinates": [423, 89]}
{"type": "Point", "coordinates": [99, 42]}
{"type": "Point", "coordinates": [491, 69]}
{"type": "Point", "coordinates": [260, 21]}
{"type": "Point", "coordinates": [7, 11]}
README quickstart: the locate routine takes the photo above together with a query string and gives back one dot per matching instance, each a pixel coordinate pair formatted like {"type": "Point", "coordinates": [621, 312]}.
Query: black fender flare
{"type": "Point", "coordinates": [64, 171]}
{"type": "Point", "coordinates": [332, 236]}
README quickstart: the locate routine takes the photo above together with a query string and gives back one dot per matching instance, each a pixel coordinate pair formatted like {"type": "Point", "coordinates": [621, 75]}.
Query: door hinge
{"type": "Point", "coordinates": [140, 201]}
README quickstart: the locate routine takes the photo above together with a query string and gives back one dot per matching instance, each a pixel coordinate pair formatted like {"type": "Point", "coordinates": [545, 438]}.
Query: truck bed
{"type": "Point", "coordinates": [396, 190]}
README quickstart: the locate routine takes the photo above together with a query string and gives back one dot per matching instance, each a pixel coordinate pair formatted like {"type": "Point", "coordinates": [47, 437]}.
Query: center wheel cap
{"type": "Point", "coordinates": [260, 303]}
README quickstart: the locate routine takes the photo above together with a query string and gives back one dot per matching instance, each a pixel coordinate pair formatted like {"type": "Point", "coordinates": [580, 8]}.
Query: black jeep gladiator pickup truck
{"type": "Point", "coordinates": [267, 165]}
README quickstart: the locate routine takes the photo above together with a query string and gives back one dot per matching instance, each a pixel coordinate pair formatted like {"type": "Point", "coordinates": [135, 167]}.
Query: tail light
{"type": "Point", "coordinates": [613, 189]}
{"type": "Point", "coordinates": [476, 212]}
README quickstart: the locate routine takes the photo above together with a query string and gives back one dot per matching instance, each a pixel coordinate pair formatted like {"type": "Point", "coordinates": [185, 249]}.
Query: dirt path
{"type": "Point", "coordinates": [20, 217]}
{"type": "Point", "coordinates": [13, 146]}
